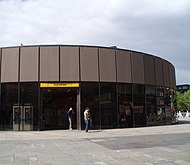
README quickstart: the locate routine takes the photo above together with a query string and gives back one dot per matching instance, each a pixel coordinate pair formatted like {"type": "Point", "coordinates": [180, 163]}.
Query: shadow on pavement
{"type": "Point", "coordinates": [94, 131]}
{"type": "Point", "coordinates": [183, 121]}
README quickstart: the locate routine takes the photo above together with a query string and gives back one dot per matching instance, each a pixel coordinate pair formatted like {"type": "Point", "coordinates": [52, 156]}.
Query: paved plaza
{"type": "Point", "coordinates": [163, 145]}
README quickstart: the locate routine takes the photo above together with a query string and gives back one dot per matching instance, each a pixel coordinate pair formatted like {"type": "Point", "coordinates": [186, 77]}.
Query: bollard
{"type": "Point", "coordinates": [187, 115]}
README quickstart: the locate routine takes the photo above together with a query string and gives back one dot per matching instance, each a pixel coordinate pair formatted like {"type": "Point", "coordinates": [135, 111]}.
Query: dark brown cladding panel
{"type": "Point", "coordinates": [29, 64]}
{"type": "Point", "coordinates": [49, 63]}
{"type": "Point", "coordinates": [172, 76]}
{"type": "Point", "coordinates": [107, 65]}
{"type": "Point", "coordinates": [149, 70]}
{"type": "Point", "coordinates": [123, 66]}
{"type": "Point", "coordinates": [89, 64]}
{"type": "Point", "coordinates": [166, 73]}
{"type": "Point", "coordinates": [69, 63]}
{"type": "Point", "coordinates": [132, 67]}
{"type": "Point", "coordinates": [9, 68]}
{"type": "Point", "coordinates": [159, 72]}
{"type": "Point", "coordinates": [137, 68]}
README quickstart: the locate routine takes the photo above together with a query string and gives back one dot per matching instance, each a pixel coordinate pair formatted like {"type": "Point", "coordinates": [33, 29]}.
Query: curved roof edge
{"type": "Point", "coordinates": [92, 46]}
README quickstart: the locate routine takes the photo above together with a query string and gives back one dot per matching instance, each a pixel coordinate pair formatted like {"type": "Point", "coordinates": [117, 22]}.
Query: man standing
{"type": "Point", "coordinates": [86, 118]}
{"type": "Point", "coordinates": [70, 114]}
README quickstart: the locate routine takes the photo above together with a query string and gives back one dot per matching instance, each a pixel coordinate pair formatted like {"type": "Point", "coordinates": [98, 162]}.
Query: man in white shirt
{"type": "Point", "coordinates": [86, 118]}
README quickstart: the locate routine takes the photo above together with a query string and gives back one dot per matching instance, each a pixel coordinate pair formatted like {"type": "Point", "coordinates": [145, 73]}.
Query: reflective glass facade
{"type": "Point", "coordinates": [150, 96]}
{"type": "Point", "coordinates": [29, 98]}
{"type": "Point", "coordinates": [9, 99]}
{"type": "Point", "coordinates": [111, 105]}
{"type": "Point", "coordinates": [125, 111]}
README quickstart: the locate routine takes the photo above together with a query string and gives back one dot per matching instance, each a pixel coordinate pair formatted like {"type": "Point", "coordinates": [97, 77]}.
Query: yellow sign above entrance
{"type": "Point", "coordinates": [58, 85]}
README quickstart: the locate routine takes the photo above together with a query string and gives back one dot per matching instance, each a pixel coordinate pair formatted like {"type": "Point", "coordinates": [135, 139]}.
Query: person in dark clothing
{"type": "Point", "coordinates": [70, 114]}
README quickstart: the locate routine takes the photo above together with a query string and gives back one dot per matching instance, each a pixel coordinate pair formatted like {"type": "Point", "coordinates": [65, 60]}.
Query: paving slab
{"type": "Point", "coordinates": [161, 145]}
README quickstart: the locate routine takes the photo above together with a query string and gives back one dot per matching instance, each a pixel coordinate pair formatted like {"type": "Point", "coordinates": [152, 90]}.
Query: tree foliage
{"type": "Point", "coordinates": [183, 100]}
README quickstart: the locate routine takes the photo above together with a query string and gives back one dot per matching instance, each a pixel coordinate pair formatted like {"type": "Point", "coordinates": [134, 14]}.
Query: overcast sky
{"type": "Point", "coordinates": [159, 27]}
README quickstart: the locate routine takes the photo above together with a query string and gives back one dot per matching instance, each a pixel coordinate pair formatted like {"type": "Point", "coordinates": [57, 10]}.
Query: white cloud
{"type": "Point", "coordinates": [182, 76]}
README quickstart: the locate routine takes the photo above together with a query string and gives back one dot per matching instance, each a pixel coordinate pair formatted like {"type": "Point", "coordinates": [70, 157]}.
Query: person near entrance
{"type": "Point", "coordinates": [87, 118]}
{"type": "Point", "coordinates": [42, 121]}
{"type": "Point", "coordinates": [70, 114]}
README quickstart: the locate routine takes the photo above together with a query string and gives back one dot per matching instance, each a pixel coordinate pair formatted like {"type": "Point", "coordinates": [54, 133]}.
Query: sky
{"type": "Point", "coordinates": [158, 27]}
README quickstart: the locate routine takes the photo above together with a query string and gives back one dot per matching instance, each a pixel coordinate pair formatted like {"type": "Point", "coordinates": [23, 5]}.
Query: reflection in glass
{"type": "Point", "coordinates": [151, 105]}
{"type": "Point", "coordinates": [90, 98]}
{"type": "Point", "coordinates": [139, 105]}
{"type": "Point", "coordinates": [9, 99]}
{"type": "Point", "coordinates": [111, 106]}
{"type": "Point", "coordinates": [173, 106]}
{"type": "Point", "coordinates": [125, 113]}
{"type": "Point", "coordinates": [108, 105]}
{"type": "Point", "coordinates": [161, 116]}
{"type": "Point", "coordinates": [16, 114]}
{"type": "Point", "coordinates": [29, 102]}
{"type": "Point", "coordinates": [167, 100]}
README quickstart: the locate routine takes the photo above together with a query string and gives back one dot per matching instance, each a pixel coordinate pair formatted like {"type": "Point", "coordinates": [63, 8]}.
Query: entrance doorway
{"type": "Point", "coordinates": [22, 118]}
{"type": "Point", "coordinates": [55, 103]}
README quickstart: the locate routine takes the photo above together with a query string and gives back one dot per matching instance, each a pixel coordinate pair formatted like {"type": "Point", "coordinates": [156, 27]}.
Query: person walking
{"type": "Point", "coordinates": [87, 118]}
{"type": "Point", "coordinates": [42, 121]}
{"type": "Point", "coordinates": [70, 114]}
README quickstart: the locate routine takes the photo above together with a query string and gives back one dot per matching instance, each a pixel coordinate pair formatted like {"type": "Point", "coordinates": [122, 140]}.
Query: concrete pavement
{"type": "Point", "coordinates": [139, 146]}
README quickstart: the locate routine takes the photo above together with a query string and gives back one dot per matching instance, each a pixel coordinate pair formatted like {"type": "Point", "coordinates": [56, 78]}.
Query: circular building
{"type": "Point", "coordinates": [122, 88]}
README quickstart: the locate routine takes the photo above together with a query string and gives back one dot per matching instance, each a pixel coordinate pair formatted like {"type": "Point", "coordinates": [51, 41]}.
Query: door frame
{"type": "Point", "coordinates": [62, 85]}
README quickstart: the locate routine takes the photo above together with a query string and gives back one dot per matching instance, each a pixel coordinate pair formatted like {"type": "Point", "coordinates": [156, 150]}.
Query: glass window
{"type": "Point", "coordinates": [29, 102]}
{"type": "Point", "coordinates": [90, 98]}
{"type": "Point", "coordinates": [9, 100]}
{"type": "Point", "coordinates": [151, 105]}
{"type": "Point", "coordinates": [167, 100]}
{"type": "Point", "coordinates": [139, 105]}
{"type": "Point", "coordinates": [184, 87]}
{"type": "Point", "coordinates": [108, 105]}
{"type": "Point", "coordinates": [160, 103]}
{"type": "Point", "coordinates": [173, 106]}
{"type": "Point", "coordinates": [125, 112]}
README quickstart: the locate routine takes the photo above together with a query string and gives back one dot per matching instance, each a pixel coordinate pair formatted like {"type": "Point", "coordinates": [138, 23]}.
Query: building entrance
{"type": "Point", "coordinates": [55, 103]}
{"type": "Point", "coordinates": [22, 118]}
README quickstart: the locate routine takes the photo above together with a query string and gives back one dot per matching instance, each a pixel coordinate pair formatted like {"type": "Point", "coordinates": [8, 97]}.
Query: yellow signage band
{"type": "Point", "coordinates": [58, 85]}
